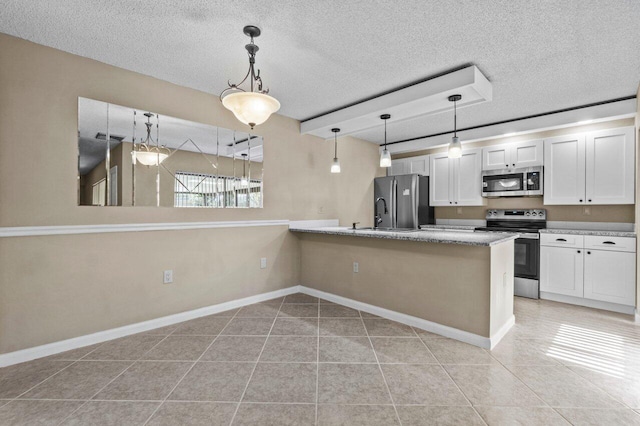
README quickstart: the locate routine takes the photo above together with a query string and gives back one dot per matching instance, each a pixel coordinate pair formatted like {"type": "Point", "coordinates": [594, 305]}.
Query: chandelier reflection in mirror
{"type": "Point", "coordinates": [148, 151]}
{"type": "Point", "coordinates": [255, 106]}
{"type": "Point", "coordinates": [201, 166]}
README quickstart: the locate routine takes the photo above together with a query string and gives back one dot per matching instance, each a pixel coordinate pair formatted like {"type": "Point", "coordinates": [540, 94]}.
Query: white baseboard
{"type": "Point", "coordinates": [495, 339]}
{"type": "Point", "coordinates": [114, 333]}
{"type": "Point", "coordinates": [433, 327]}
{"type": "Point", "coordinates": [605, 306]}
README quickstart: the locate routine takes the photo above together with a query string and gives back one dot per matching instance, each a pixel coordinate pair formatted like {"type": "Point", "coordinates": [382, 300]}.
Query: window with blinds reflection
{"type": "Point", "coordinates": [204, 190]}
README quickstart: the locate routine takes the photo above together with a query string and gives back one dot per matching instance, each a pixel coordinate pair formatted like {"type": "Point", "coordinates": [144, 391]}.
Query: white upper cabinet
{"type": "Point", "coordinates": [564, 170]}
{"type": "Point", "coordinates": [405, 166]}
{"type": "Point", "coordinates": [610, 166]}
{"type": "Point", "coordinates": [440, 181]}
{"type": "Point", "coordinates": [468, 179]}
{"type": "Point", "coordinates": [398, 167]}
{"type": "Point", "coordinates": [513, 155]}
{"type": "Point", "coordinates": [456, 181]}
{"type": "Point", "coordinates": [590, 168]}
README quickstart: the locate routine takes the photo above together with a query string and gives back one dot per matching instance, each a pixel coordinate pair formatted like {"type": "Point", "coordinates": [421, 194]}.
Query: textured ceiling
{"type": "Point", "coordinates": [317, 56]}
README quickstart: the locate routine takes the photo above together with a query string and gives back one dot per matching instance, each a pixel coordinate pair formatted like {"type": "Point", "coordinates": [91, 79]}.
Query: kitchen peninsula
{"type": "Point", "coordinates": [454, 283]}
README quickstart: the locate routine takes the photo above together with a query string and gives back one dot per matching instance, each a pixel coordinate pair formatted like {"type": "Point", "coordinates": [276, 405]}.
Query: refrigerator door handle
{"type": "Point", "coordinates": [414, 201]}
{"type": "Point", "coordinates": [394, 204]}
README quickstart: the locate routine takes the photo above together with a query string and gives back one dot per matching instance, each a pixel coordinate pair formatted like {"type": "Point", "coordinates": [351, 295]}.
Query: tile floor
{"type": "Point", "coordinates": [299, 360]}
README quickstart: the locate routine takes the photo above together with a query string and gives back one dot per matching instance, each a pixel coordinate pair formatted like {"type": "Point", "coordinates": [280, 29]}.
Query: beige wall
{"type": "Point", "coordinates": [449, 284]}
{"type": "Point", "coordinates": [619, 213]}
{"type": "Point", "coordinates": [57, 287]}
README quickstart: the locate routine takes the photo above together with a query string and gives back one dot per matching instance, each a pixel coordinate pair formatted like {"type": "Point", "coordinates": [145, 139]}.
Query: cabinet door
{"type": "Point", "coordinates": [399, 167]}
{"type": "Point", "coordinates": [419, 165]}
{"type": "Point", "coordinates": [496, 157]}
{"type": "Point", "coordinates": [468, 179]}
{"type": "Point", "coordinates": [527, 154]}
{"type": "Point", "coordinates": [564, 170]}
{"type": "Point", "coordinates": [610, 276]}
{"type": "Point", "coordinates": [610, 166]}
{"type": "Point", "coordinates": [561, 270]}
{"type": "Point", "coordinates": [440, 180]}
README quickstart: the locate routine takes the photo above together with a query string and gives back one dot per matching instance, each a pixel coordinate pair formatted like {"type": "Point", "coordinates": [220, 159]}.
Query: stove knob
{"type": "Point", "coordinates": [528, 213]}
{"type": "Point", "coordinates": [535, 213]}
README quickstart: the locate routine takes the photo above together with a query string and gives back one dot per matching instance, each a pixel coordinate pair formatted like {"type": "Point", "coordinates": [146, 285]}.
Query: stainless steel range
{"type": "Point", "coordinates": [527, 246]}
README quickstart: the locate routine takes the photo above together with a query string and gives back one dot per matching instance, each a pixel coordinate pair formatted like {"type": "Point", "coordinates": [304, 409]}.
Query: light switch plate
{"type": "Point", "coordinates": [168, 276]}
{"type": "Point", "coordinates": [356, 267]}
{"type": "Point", "coordinates": [263, 263]}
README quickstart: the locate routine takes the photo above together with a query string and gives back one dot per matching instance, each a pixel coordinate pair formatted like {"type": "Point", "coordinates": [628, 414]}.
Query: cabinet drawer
{"type": "Point", "coordinates": [610, 243]}
{"type": "Point", "coordinates": [562, 240]}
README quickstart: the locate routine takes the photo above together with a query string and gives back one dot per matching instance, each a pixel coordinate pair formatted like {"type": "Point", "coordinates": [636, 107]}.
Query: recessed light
{"type": "Point", "coordinates": [506, 135]}
{"type": "Point", "coordinates": [584, 122]}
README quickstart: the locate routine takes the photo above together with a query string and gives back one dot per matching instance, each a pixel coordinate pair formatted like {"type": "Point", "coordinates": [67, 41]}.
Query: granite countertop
{"type": "Point", "coordinates": [433, 235]}
{"type": "Point", "coordinates": [593, 232]}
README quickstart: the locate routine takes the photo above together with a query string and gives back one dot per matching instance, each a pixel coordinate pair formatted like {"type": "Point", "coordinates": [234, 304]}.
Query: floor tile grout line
{"type": "Point", "coordinates": [190, 368]}
{"type": "Point", "coordinates": [450, 378]}
{"type": "Point", "coordinates": [112, 380]}
{"type": "Point", "coordinates": [255, 366]}
{"type": "Point", "coordinates": [384, 379]}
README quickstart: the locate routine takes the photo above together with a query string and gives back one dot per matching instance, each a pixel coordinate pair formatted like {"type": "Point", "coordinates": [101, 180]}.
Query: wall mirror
{"type": "Point", "coordinates": [129, 157]}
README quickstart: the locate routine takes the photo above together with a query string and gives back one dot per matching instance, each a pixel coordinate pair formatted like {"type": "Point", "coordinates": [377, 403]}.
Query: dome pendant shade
{"type": "Point", "coordinates": [455, 148]}
{"type": "Point", "coordinates": [385, 158]}
{"type": "Point", "coordinates": [150, 158]}
{"type": "Point", "coordinates": [251, 108]}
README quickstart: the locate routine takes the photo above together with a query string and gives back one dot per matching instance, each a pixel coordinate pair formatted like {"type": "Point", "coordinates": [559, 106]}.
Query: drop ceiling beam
{"type": "Point", "coordinates": [427, 97]}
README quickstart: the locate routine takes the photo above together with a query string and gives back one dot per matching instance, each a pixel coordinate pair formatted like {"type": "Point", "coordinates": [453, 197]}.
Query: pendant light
{"type": "Point", "coordinates": [252, 107]}
{"type": "Point", "coordinates": [243, 180]}
{"type": "Point", "coordinates": [147, 153]}
{"type": "Point", "coordinates": [455, 148]}
{"type": "Point", "coordinates": [335, 165]}
{"type": "Point", "coordinates": [385, 157]}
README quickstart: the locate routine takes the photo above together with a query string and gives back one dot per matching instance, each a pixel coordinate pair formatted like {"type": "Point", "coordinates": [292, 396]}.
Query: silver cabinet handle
{"type": "Point", "coordinates": [609, 242]}
{"type": "Point", "coordinates": [561, 239]}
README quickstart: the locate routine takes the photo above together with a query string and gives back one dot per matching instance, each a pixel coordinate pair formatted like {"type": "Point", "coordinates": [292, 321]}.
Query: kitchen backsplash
{"type": "Point", "coordinates": [617, 213]}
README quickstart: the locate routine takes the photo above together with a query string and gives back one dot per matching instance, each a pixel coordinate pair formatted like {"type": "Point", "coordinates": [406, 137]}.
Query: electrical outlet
{"type": "Point", "coordinates": [168, 276]}
{"type": "Point", "coordinates": [320, 210]}
{"type": "Point", "coordinates": [263, 263]}
{"type": "Point", "coordinates": [459, 210]}
{"type": "Point", "coordinates": [587, 211]}
{"type": "Point", "coordinates": [356, 267]}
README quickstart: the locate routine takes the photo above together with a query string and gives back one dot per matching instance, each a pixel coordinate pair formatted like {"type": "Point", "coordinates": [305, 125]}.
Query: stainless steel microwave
{"type": "Point", "coordinates": [512, 182]}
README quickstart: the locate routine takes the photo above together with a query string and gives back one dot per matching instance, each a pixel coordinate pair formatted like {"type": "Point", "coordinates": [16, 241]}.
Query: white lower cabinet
{"type": "Point", "coordinates": [593, 270]}
{"type": "Point", "coordinates": [562, 271]}
{"type": "Point", "coordinates": [610, 276]}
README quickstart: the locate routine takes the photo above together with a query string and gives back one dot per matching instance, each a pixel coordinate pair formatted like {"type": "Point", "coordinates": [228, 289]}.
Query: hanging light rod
{"type": "Point", "coordinates": [255, 106]}
{"type": "Point", "coordinates": [335, 164]}
{"type": "Point", "coordinates": [528, 117]}
{"type": "Point", "coordinates": [385, 155]}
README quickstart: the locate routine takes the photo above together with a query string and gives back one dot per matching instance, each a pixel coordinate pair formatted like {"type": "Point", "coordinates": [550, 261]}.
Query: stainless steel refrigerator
{"type": "Point", "coordinates": [407, 201]}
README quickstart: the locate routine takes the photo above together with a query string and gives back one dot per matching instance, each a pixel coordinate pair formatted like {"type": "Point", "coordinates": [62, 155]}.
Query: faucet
{"type": "Point", "coordinates": [378, 218]}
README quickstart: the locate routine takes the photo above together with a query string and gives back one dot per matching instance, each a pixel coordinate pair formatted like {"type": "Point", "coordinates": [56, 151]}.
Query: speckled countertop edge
{"type": "Point", "coordinates": [427, 236]}
{"type": "Point", "coordinates": [593, 232]}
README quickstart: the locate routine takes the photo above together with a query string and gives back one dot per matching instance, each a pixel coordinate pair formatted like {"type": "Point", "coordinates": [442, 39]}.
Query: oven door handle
{"type": "Point", "coordinates": [530, 236]}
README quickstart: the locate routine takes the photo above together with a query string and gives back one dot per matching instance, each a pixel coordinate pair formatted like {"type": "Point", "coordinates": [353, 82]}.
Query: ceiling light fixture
{"type": "Point", "coordinates": [147, 153]}
{"type": "Point", "coordinates": [253, 107]}
{"type": "Point", "coordinates": [455, 147]}
{"type": "Point", "coordinates": [385, 157]}
{"type": "Point", "coordinates": [335, 165]}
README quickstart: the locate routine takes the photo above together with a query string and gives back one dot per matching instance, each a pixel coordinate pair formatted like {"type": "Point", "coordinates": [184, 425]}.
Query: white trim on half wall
{"type": "Point", "coordinates": [32, 231]}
